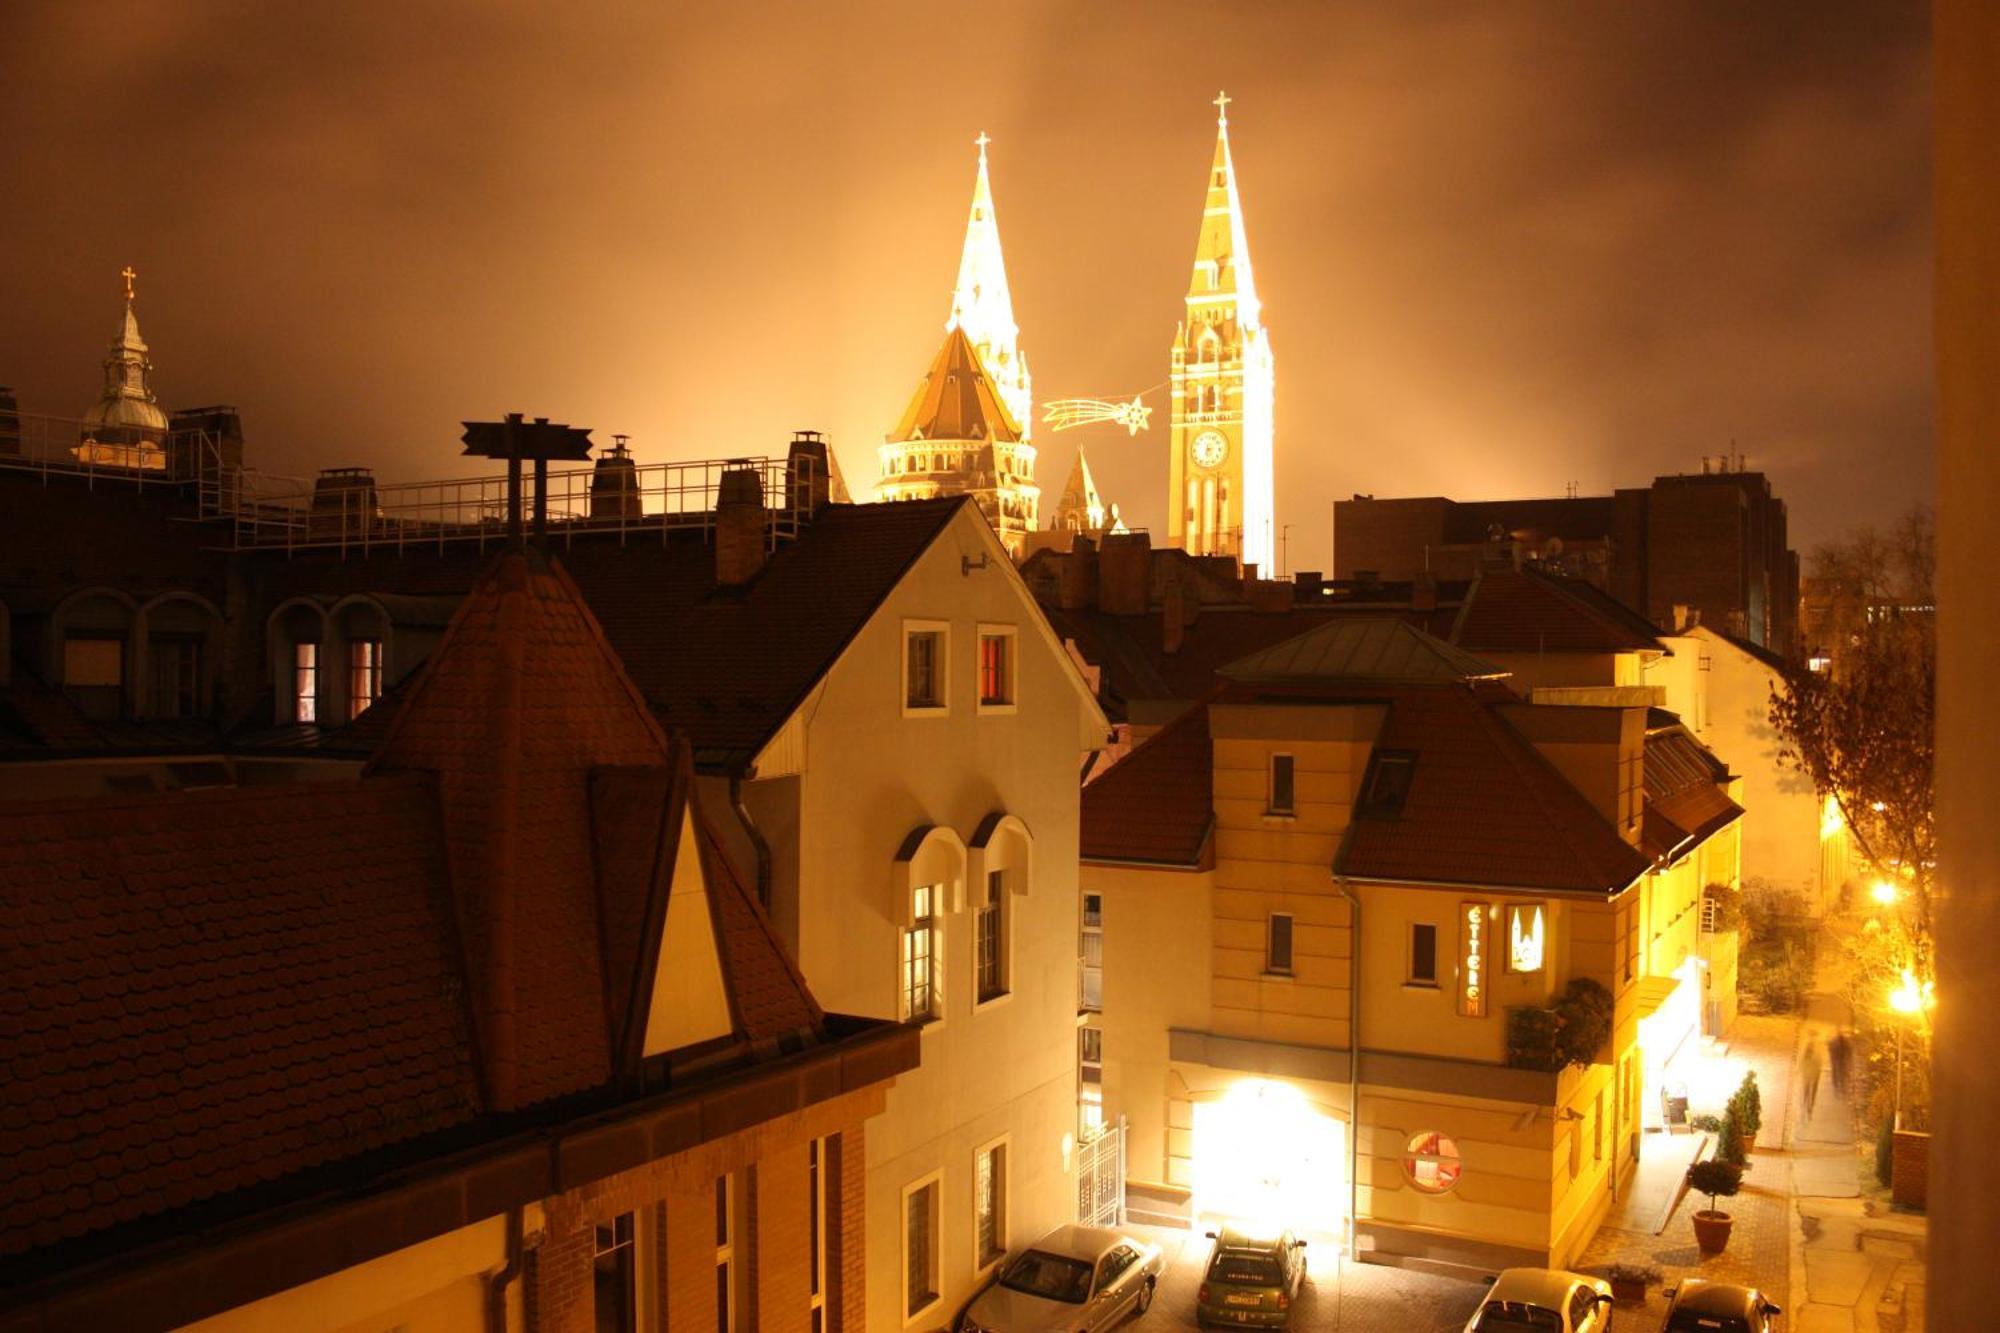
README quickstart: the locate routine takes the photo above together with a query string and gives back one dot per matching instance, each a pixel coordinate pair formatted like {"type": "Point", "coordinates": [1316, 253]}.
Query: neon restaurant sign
{"type": "Point", "coordinates": [1473, 952]}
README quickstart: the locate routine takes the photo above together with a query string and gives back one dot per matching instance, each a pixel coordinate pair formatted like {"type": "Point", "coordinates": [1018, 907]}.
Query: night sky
{"type": "Point", "coordinates": [1501, 248]}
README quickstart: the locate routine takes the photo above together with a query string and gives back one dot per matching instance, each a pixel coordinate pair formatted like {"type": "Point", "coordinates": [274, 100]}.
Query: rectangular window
{"type": "Point", "coordinates": [1282, 802]}
{"type": "Point", "coordinates": [94, 676]}
{"type": "Point", "coordinates": [1090, 1048]}
{"type": "Point", "coordinates": [919, 976]}
{"type": "Point", "coordinates": [996, 667]}
{"type": "Point", "coordinates": [1597, 1129]}
{"type": "Point", "coordinates": [305, 682]}
{"type": "Point", "coordinates": [725, 1253]}
{"type": "Point", "coordinates": [1423, 954]}
{"type": "Point", "coordinates": [924, 649]}
{"type": "Point", "coordinates": [989, 1204]}
{"type": "Point", "coordinates": [1278, 944]}
{"type": "Point", "coordinates": [1386, 784]}
{"type": "Point", "coordinates": [920, 1249]}
{"type": "Point", "coordinates": [176, 662]}
{"type": "Point", "coordinates": [990, 939]}
{"type": "Point", "coordinates": [364, 675]}
{"type": "Point", "coordinates": [615, 1277]}
{"type": "Point", "coordinates": [816, 1172]}
{"type": "Point", "coordinates": [1527, 928]}
{"type": "Point", "coordinates": [1091, 953]}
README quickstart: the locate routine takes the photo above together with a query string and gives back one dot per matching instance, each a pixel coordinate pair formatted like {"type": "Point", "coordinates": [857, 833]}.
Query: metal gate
{"type": "Point", "coordinates": [1100, 1177]}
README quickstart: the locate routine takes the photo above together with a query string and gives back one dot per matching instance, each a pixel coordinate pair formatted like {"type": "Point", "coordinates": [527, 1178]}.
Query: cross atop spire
{"type": "Point", "coordinates": [128, 273]}
{"type": "Point", "coordinates": [982, 141]}
{"type": "Point", "coordinates": [1222, 100]}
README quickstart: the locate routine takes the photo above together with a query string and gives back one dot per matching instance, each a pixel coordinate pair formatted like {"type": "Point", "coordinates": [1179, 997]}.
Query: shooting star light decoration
{"type": "Point", "coordinates": [1064, 413]}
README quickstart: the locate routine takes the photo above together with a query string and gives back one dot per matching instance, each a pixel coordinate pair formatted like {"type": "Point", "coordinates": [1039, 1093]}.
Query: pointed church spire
{"type": "Point", "coordinates": [982, 304]}
{"type": "Point", "coordinates": [1222, 255]}
{"type": "Point", "coordinates": [128, 411]}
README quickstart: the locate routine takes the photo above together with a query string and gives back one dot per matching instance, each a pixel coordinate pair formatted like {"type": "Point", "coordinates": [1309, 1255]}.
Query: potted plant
{"type": "Point", "coordinates": [1629, 1282]}
{"type": "Point", "coordinates": [1718, 1179]}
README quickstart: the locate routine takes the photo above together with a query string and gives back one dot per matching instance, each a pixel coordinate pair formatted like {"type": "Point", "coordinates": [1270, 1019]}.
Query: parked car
{"type": "Point", "coordinates": [1252, 1278]}
{"type": "Point", "coordinates": [1074, 1278]}
{"type": "Point", "coordinates": [1543, 1300]}
{"type": "Point", "coordinates": [1719, 1307]}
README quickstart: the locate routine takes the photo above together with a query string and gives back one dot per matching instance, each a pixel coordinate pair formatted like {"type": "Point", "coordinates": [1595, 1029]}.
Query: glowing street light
{"type": "Point", "coordinates": [1908, 999]}
{"type": "Point", "coordinates": [1884, 892]}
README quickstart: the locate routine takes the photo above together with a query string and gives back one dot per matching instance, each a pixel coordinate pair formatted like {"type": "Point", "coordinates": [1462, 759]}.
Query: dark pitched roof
{"type": "Point", "coordinates": [1521, 611]}
{"type": "Point", "coordinates": [1362, 650]}
{"type": "Point", "coordinates": [1686, 801]}
{"type": "Point", "coordinates": [1484, 807]}
{"type": "Point", "coordinates": [1156, 804]}
{"type": "Point", "coordinates": [957, 400]}
{"type": "Point", "coordinates": [38, 720]}
{"type": "Point", "coordinates": [201, 992]}
{"type": "Point", "coordinates": [1756, 650]}
{"type": "Point", "coordinates": [767, 994]}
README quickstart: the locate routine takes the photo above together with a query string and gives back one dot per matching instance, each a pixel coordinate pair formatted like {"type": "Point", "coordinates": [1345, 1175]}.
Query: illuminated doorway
{"type": "Point", "coordinates": [1265, 1155]}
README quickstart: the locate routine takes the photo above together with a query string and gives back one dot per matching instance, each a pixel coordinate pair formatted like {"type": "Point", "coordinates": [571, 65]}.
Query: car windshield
{"type": "Point", "coordinates": [1049, 1276]}
{"type": "Point", "coordinates": [1518, 1317]}
{"type": "Point", "coordinates": [1244, 1269]}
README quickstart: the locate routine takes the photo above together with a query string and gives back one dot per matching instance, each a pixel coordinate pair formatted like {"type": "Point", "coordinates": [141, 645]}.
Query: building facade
{"type": "Point", "coordinates": [1220, 471]}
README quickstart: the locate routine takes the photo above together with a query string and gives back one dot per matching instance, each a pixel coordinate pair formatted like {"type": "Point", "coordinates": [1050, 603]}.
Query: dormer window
{"type": "Point", "coordinates": [1386, 784]}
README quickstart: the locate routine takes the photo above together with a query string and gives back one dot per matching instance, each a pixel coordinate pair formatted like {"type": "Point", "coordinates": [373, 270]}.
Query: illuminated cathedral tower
{"type": "Point", "coordinates": [967, 428]}
{"type": "Point", "coordinates": [1219, 499]}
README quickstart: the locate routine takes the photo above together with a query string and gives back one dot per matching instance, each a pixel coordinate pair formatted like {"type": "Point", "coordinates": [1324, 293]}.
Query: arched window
{"type": "Point", "coordinates": [928, 880]}
{"type": "Point", "coordinates": [1000, 868]}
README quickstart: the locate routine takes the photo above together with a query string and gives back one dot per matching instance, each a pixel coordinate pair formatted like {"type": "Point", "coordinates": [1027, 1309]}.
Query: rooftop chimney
{"type": "Point", "coordinates": [1076, 575]}
{"type": "Point", "coordinates": [739, 525]}
{"type": "Point", "coordinates": [1125, 574]}
{"type": "Point", "coordinates": [344, 503]}
{"type": "Point", "coordinates": [614, 483]}
{"type": "Point", "coordinates": [1306, 585]}
{"type": "Point", "coordinates": [810, 473]}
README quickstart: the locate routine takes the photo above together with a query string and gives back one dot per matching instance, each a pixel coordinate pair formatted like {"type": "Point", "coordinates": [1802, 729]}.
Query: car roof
{"type": "Point", "coordinates": [1717, 1298]}
{"type": "Point", "coordinates": [1080, 1242]}
{"type": "Point", "coordinates": [1232, 1237]}
{"type": "Point", "coordinates": [1548, 1287]}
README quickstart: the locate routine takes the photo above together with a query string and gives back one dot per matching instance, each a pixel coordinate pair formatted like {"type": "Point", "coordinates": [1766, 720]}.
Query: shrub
{"type": "Point", "coordinates": [1706, 1123]}
{"type": "Point", "coordinates": [1531, 1039]}
{"type": "Point", "coordinates": [1747, 1105]}
{"type": "Point", "coordinates": [1570, 1032]}
{"type": "Point", "coordinates": [1885, 1150]}
{"type": "Point", "coordinates": [1729, 1144]}
{"type": "Point", "coordinates": [1727, 914]}
{"type": "Point", "coordinates": [1715, 1178]}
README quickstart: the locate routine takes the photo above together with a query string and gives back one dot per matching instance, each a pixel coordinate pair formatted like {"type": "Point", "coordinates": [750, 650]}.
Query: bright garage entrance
{"type": "Point", "coordinates": [1264, 1154]}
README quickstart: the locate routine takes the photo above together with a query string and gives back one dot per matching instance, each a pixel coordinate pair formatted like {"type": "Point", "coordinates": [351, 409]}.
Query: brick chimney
{"type": "Point", "coordinates": [1267, 596]}
{"type": "Point", "coordinates": [1125, 574]}
{"type": "Point", "coordinates": [739, 525]}
{"type": "Point", "coordinates": [614, 483]}
{"type": "Point", "coordinates": [1076, 586]}
{"type": "Point", "coordinates": [810, 472]}
{"type": "Point", "coordinates": [1306, 585]}
{"type": "Point", "coordinates": [344, 503]}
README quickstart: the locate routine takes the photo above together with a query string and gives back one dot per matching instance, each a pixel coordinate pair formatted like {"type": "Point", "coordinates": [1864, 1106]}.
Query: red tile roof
{"type": "Point", "coordinates": [767, 994]}
{"type": "Point", "coordinates": [1520, 611]}
{"type": "Point", "coordinates": [1158, 803]}
{"type": "Point", "coordinates": [1484, 807]}
{"type": "Point", "coordinates": [1686, 802]}
{"type": "Point", "coordinates": [204, 991]}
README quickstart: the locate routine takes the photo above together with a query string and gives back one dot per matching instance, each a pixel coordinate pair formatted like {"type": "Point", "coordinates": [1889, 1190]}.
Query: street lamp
{"type": "Point", "coordinates": [1884, 892]}
{"type": "Point", "coordinates": [1909, 1000]}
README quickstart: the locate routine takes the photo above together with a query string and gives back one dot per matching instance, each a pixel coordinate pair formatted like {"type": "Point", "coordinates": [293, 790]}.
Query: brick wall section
{"type": "Point", "coordinates": [847, 1228]}
{"type": "Point", "coordinates": [674, 1200]}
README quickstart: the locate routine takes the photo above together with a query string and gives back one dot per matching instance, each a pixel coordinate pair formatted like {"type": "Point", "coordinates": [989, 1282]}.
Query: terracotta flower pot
{"type": "Point", "coordinates": [1628, 1290]}
{"type": "Point", "coordinates": [1711, 1230]}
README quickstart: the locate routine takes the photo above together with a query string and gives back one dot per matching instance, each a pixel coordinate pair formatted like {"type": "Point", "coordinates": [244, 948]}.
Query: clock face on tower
{"type": "Point", "coordinates": [1210, 448]}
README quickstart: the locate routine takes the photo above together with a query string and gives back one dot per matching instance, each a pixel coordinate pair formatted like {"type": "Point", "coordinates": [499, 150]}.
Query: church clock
{"type": "Point", "coordinates": [1210, 448]}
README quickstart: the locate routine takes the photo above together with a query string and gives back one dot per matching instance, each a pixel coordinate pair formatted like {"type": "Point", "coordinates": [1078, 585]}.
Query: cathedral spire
{"type": "Point", "coordinates": [1222, 271]}
{"type": "Point", "coordinates": [982, 305]}
{"type": "Point", "coordinates": [128, 410]}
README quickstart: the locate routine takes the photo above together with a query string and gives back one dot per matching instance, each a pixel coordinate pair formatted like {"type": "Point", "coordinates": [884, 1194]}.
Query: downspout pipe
{"type": "Point", "coordinates": [759, 845]}
{"type": "Point", "coordinates": [1346, 890]}
{"type": "Point", "coordinates": [497, 1284]}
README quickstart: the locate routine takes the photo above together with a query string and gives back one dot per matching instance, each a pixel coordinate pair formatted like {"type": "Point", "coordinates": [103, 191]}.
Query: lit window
{"type": "Point", "coordinates": [923, 670]}
{"type": "Point", "coordinates": [725, 1253]}
{"type": "Point", "coordinates": [990, 939]}
{"type": "Point", "coordinates": [1432, 1163]}
{"type": "Point", "coordinates": [364, 675]}
{"type": "Point", "coordinates": [615, 1277]}
{"type": "Point", "coordinates": [1278, 944]}
{"type": "Point", "coordinates": [94, 676]}
{"type": "Point", "coordinates": [1091, 952]}
{"type": "Point", "coordinates": [1282, 797]}
{"type": "Point", "coordinates": [305, 682]}
{"type": "Point", "coordinates": [919, 977]}
{"type": "Point", "coordinates": [1525, 937]}
{"type": "Point", "coordinates": [920, 1249]}
{"type": "Point", "coordinates": [996, 667]}
{"type": "Point", "coordinates": [989, 1204]}
{"type": "Point", "coordinates": [1386, 784]}
{"type": "Point", "coordinates": [1423, 954]}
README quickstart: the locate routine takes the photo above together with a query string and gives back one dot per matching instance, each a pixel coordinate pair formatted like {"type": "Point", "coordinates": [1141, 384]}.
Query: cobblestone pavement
{"type": "Point", "coordinates": [1350, 1298]}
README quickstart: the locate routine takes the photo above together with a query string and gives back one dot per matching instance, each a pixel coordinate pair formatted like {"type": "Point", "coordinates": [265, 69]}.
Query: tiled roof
{"type": "Point", "coordinates": [1685, 800]}
{"type": "Point", "coordinates": [957, 400]}
{"type": "Point", "coordinates": [767, 994]}
{"type": "Point", "coordinates": [204, 991]}
{"type": "Point", "coordinates": [1520, 611]}
{"type": "Point", "coordinates": [39, 720]}
{"type": "Point", "coordinates": [1484, 807]}
{"type": "Point", "coordinates": [1362, 650]}
{"type": "Point", "coordinates": [1156, 804]}
{"type": "Point", "coordinates": [520, 702]}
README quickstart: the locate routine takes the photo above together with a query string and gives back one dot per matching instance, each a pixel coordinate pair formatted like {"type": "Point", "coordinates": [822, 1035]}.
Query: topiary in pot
{"type": "Point", "coordinates": [1717, 1179]}
{"type": "Point", "coordinates": [1730, 1145]}
{"type": "Point", "coordinates": [1747, 1104]}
